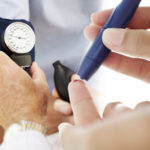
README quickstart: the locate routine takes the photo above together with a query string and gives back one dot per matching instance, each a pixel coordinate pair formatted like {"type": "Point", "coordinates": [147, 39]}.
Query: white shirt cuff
{"type": "Point", "coordinates": [26, 140]}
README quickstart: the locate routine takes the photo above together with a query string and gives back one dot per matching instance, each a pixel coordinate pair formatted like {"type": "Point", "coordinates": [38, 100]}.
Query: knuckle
{"type": "Point", "coordinates": [109, 107]}
{"type": "Point", "coordinates": [141, 43]}
{"type": "Point", "coordinates": [143, 104]}
{"type": "Point", "coordinates": [135, 41]}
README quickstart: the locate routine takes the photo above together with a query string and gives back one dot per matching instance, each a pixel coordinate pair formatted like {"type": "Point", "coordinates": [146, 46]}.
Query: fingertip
{"type": "Point", "coordinates": [33, 70]}
{"type": "Point", "coordinates": [76, 86]}
{"type": "Point", "coordinates": [86, 33]}
{"type": "Point", "coordinates": [63, 107]}
{"type": "Point", "coordinates": [91, 32]}
{"type": "Point", "coordinates": [63, 128]}
{"type": "Point", "coordinates": [100, 18]}
{"type": "Point", "coordinates": [55, 93]}
{"type": "Point", "coordinates": [75, 77]}
{"type": "Point", "coordinates": [93, 17]}
{"type": "Point", "coordinates": [81, 100]}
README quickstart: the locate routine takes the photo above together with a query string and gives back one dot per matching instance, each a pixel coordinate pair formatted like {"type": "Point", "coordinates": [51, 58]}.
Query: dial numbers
{"type": "Point", "coordinates": [19, 37]}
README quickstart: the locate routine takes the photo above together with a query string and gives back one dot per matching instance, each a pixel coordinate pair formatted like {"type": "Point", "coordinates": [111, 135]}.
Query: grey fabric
{"type": "Point", "coordinates": [59, 28]}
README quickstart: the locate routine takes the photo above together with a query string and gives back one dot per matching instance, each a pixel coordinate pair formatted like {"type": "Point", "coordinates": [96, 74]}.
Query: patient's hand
{"type": "Point", "coordinates": [21, 97]}
{"type": "Point", "coordinates": [62, 106]}
{"type": "Point", "coordinates": [65, 108]}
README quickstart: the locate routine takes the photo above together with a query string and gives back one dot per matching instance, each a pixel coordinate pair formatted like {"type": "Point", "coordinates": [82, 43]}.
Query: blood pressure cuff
{"type": "Point", "coordinates": [3, 25]}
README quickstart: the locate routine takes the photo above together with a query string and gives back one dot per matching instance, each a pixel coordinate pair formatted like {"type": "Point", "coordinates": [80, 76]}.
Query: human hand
{"type": "Point", "coordinates": [130, 47]}
{"type": "Point", "coordinates": [22, 97]}
{"type": "Point", "coordinates": [65, 108]}
{"type": "Point", "coordinates": [129, 130]}
{"type": "Point", "coordinates": [62, 106]}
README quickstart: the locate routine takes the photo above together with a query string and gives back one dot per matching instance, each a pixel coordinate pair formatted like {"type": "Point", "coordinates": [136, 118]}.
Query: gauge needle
{"type": "Point", "coordinates": [19, 37]}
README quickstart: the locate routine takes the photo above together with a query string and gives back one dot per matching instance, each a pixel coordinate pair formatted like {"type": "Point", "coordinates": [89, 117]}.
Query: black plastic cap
{"type": "Point", "coordinates": [62, 78]}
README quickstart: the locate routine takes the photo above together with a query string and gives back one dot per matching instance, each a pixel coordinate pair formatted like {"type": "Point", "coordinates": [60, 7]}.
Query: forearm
{"type": "Point", "coordinates": [14, 9]}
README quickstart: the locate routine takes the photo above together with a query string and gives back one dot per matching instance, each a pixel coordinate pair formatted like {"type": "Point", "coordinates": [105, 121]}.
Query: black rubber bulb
{"type": "Point", "coordinates": [62, 77]}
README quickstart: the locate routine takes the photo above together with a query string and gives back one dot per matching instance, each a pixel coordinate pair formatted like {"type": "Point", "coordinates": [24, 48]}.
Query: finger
{"type": "Point", "coordinates": [68, 136]}
{"type": "Point", "coordinates": [91, 32]}
{"type": "Point", "coordinates": [142, 105]}
{"type": "Point", "coordinates": [82, 105]}
{"type": "Point", "coordinates": [137, 68]}
{"type": "Point", "coordinates": [75, 77]}
{"type": "Point", "coordinates": [115, 109]}
{"type": "Point", "coordinates": [140, 20]}
{"type": "Point", "coordinates": [55, 93]}
{"type": "Point", "coordinates": [38, 77]}
{"type": "Point", "coordinates": [132, 131]}
{"type": "Point", "coordinates": [134, 43]}
{"type": "Point", "coordinates": [63, 107]}
{"type": "Point", "coordinates": [69, 119]}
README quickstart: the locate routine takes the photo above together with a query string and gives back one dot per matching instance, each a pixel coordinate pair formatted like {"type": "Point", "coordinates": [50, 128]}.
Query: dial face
{"type": "Point", "coordinates": [19, 37]}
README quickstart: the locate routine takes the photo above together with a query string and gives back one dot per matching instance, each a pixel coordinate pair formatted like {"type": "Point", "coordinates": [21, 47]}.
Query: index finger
{"type": "Point", "coordinates": [141, 19]}
{"type": "Point", "coordinates": [82, 104]}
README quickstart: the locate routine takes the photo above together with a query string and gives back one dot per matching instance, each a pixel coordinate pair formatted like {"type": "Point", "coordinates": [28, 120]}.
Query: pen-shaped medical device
{"type": "Point", "coordinates": [97, 53]}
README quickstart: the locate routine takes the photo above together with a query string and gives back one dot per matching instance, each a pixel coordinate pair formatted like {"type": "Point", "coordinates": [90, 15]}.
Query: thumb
{"type": "Point", "coordinates": [135, 43]}
{"type": "Point", "coordinates": [67, 136]}
{"type": "Point", "coordinates": [38, 77]}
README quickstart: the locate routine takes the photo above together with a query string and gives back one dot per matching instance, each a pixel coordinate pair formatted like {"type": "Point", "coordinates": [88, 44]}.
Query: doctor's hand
{"type": "Point", "coordinates": [130, 47]}
{"type": "Point", "coordinates": [22, 97]}
{"type": "Point", "coordinates": [120, 128]}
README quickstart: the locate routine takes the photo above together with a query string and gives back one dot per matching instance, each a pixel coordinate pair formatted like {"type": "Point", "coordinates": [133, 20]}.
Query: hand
{"type": "Point", "coordinates": [130, 47]}
{"type": "Point", "coordinates": [65, 108]}
{"type": "Point", "coordinates": [129, 130]}
{"type": "Point", "coordinates": [62, 106]}
{"type": "Point", "coordinates": [22, 97]}
{"type": "Point", "coordinates": [55, 117]}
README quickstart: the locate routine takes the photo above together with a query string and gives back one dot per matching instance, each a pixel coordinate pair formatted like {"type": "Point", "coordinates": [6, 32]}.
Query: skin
{"type": "Point", "coordinates": [120, 127]}
{"type": "Point", "coordinates": [25, 97]}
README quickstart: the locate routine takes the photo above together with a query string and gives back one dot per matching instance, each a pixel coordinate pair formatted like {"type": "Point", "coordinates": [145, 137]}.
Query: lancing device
{"type": "Point", "coordinates": [97, 53]}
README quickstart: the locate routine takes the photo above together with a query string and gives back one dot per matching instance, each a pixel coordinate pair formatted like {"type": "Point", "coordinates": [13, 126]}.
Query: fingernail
{"type": "Point", "coordinates": [113, 37]}
{"type": "Point", "coordinates": [77, 80]}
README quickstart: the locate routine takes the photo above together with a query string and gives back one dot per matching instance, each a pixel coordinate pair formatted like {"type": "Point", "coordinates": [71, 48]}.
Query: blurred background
{"type": "Point", "coordinates": [114, 86]}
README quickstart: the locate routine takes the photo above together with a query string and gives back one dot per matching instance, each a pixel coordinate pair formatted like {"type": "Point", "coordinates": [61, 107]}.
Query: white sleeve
{"type": "Point", "coordinates": [26, 140]}
{"type": "Point", "coordinates": [14, 9]}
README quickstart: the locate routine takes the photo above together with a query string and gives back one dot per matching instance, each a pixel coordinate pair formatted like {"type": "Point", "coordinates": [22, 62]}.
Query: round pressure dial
{"type": "Point", "coordinates": [19, 38]}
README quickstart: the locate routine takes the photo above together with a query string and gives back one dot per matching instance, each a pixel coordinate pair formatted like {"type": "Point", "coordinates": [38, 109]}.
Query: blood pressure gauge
{"type": "Point", "coordinates": [19, 38]}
